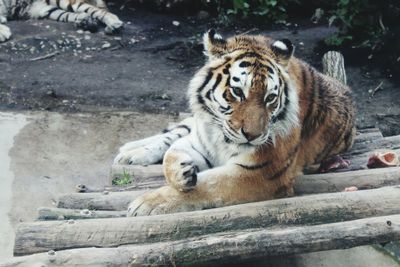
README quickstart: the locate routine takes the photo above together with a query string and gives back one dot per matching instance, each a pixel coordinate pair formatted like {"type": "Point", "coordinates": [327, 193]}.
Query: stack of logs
{"type": "Point", "coordinates": [90, 228]}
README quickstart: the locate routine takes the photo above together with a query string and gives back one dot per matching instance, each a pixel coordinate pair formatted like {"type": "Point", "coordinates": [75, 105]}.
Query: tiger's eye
{"type": "Point", "coordinates": [270, 98]}
{"type": "Point", "coordinates": [237, 91]}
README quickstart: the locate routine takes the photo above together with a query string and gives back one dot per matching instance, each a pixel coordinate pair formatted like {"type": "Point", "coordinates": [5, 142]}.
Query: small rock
{"type": "Point", "coordinates": [51, 93]}
{"type": "Point", "coordinates": [106, 45]}
{"type": "Point", "coordinates": [87, 37]}
{"type": "Point", "coordinates": [79, 31]}
{"type": "Point", "coordinates": [176, 23]}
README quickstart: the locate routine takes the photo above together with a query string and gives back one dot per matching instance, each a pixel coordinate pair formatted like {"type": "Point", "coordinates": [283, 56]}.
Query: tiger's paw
{"type": "Point", "coordinates": [89, 24]}
{"type": "Point", "coordinates": [161, 201]}
{"type": "Point", "coordinates": [180, 171]}
{"type": "Point", "coordinates": [137, 156]}
{"type": "Point", "coordinates": [113, 24]}
{"type": "Point", "coordinates": [5, 33]}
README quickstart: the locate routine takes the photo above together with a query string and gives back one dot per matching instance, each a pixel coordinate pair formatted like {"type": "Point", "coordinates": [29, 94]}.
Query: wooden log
{"type": "Point", "coordinates": [333, 66]}
{"type": "Point", "coordinates": [367, 135]}
{"type": "Point", "coordinates": [391, 142]}
{"type": "Point", "coordinates": [337, 182]}
{"type": "Point", "coordinates": [47, 214]}
{"type": "Point", "coordinates": [313, 209]}
{"type": "Point", "coordinates": [98, 201]}
{"type": "Point", "coordinates": [305, 184]}
{"type": "Point", "coordinates": [225, 248]}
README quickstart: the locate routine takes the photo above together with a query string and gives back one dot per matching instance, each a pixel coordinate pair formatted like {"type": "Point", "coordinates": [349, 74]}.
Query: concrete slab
{"type": "Point", "coordinates": [45, 154]}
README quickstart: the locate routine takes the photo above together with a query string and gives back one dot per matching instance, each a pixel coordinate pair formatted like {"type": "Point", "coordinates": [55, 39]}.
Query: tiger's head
{"type": "Point", "coordinates": [245, 88]}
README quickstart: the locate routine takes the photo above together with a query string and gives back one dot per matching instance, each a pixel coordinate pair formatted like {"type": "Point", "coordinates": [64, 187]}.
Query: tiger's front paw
{"type": "Point", "coordinates": [89, 24]}
{"type": "Point", "coordinates": [180, 171]}
{"type": "Point", "coordinates": [138, 156]}
{"type": "Point", "coordinates": [5, 33]}
{"type": "Point", "coordinates": [163, 200]}
{"type": "Point", "coordinates": [113, 23]}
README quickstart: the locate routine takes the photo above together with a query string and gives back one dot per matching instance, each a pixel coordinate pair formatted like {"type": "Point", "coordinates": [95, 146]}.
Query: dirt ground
{"type": "Point", "coordinates": [56, 67]}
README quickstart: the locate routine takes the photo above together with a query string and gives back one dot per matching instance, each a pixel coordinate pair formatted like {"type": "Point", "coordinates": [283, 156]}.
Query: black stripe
{"type": "Point", "coordinates": [217, 82]}
{"type": "Point", "coordinates": [244, 64]}
{"type": "Point", "coordinates": [254, 167]}
{"type": "Point", "coordinates": [67, 17]}
{"type": "Point", "coordinates": [282, 114]}
{"type": "Point", "coordinates": [292, 153]}
{"type": "Point", "coordinates": [79, 5]}
{"type": "Point", "coordinates": [209, 165]}
{"type": "Point", "coordinates": [58, 3]}
{"type": "Point", "coordinates": [307, 122]}
{"type": "Point", "coordinates": [184, 127]}
{"type": "Point", "coordinates": [59, 16]}
{"type": "Point", "coordinates": [51, 11]}
{"type": "Point", "coordinates": [206, 81]}
{"type": "Point", "coordinates": [226, 69]}
{"type": "Point", "coordinates": [248, 54]}
{"type": "Point", "coordinates": [69, 8]}
{"type": "Point", "coordinates": [48, 2]}
{"type": "Point", "coordinates": [94, 12]}
{"type": "Point", "coordinates": [167, 144]}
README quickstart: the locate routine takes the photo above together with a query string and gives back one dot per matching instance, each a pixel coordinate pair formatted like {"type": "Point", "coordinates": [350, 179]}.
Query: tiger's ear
{"type": "Point", "coordinates": [283, 49]}
{"type": "Point", "coordinates": [214, 45]}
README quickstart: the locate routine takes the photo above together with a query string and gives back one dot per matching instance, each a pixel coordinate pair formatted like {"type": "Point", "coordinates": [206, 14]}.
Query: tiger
{"type": "Point", "coordinates": [85, 13]}
{"type": "Point", "coordinates": [260, 116]}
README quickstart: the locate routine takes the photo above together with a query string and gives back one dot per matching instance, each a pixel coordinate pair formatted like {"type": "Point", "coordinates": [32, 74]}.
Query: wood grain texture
{"type": "Point", "coordinates": [313, 209]}
{"type": "Point", "coordinates": [235, 246]}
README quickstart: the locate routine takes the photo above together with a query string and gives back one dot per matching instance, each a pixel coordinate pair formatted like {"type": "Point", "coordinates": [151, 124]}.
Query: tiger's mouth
{"type": "Point", "coordinates": [239, 138]}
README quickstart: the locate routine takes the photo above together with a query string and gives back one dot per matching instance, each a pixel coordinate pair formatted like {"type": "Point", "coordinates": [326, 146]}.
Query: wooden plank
{"type": "Point", "coordinates": [337, 182]}
{"type": "Point", "coordinates": [312, 209]}
{"type": "Point", "coordinates": [47, 214]}
{"type": "Point", "coordinates": [98, 201]}
{"type": "Point", "coordinates": [226, 248]}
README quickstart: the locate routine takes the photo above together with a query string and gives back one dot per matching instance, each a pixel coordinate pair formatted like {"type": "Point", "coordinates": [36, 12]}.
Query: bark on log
{"type": "Point", "coordinates": [333, 66]}
{"type": "Point", "coordinates": [391, 142]}
{"type": "Point", "coordinates": [231, 247]}
{"type": "Point", "coordinates": [48, 214]}
{"type": "Point", "coordinates": [337, 182]}
{"type": "Point", "coordinates": [98, 201]}
{"type": "Point", "coordinates": [313, 209]}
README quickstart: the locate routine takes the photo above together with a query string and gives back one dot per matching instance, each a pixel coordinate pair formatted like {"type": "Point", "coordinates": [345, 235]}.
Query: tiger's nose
{"type": "Point", "coordinates": [249, 136]}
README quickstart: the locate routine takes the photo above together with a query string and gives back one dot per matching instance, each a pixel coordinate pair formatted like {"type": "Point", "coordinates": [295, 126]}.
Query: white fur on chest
{"type": "Point", "coordinates": [208, 137]}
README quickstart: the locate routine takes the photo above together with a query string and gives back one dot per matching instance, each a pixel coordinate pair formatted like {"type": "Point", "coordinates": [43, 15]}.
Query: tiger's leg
{"type": "Point", "coordinates": [152, 149]}
{"type": "Point", "coordinates": [5, 32]}
{"type": "Point", "coordinates": [221, 186]}
{"type": "Point", "coordinates": [112, 22]}
{"type": "Point", "coordinates": [183, 160]}
{"type": "Point", "coordinates": [63, 10]}
{"type": "Point", "coordinates": [41, 10]}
